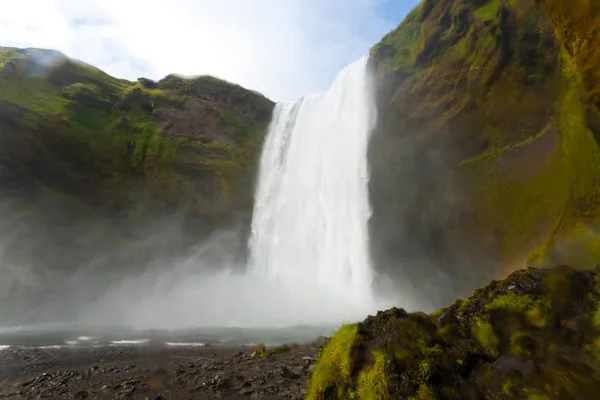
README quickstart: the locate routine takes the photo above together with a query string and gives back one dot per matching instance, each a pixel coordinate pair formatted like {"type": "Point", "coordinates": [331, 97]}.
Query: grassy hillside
{"type": "Point", "coordinates": [497, 100]}
{"type": "Point", "coordinates": [102, 176]}
{"type": "Point", "coordinates": [114, 145]}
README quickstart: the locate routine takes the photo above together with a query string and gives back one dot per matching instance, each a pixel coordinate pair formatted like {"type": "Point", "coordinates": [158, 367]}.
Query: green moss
{"type": "Point", "coordinates": [231, 118]}
{"type": "Point", "coordinates": [275, 351]}
{"type": "Point", "coordinates": [594, 349]}
{"type": "Point", "coordinates": [403, 44]}
{"type": "Point", "coordinates": [537, 312]}
{"type": "Point", "coordinates": [424, 393]}
{"type": "Point", "coordinates": [35, 94]}
{"type": "Point", "coordinates": [489, 10]}
{"type": "Point", "coordinates": [331, 375]}
{"type": "Point", "coordinates": [82, 90]}
{"type": "Point", "coordinates": [484, 332]}
{"type": "Point", "coordinates": [428, 366]}
{"type": "Point", "coordinates": [596, 317]}
{"type": "Point", "coordinates": [533, 394]}
{"type": "Point", "coordinates": [507, 388]}
{"type": "Point", "coordinates": [372, 381]}
{"type": "Point", "coordinates": [522, 344]}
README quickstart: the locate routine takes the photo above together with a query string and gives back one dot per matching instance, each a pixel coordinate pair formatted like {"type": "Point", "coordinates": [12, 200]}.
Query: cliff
{"type": "Point", "coordinates": [68, 127]}
{"type": "Point", "coordinates": [486, 153]}
{"type": "Point", "coordinates": [106, 174]}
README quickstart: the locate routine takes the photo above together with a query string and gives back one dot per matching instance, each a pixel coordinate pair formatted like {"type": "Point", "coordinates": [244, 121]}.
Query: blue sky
{"type": "Point", "coordinates": [282, 48]}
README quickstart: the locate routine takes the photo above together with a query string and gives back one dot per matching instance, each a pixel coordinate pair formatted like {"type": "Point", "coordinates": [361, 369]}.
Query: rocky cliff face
{"type": "Point", "coordinates": [486, 154]}
{"type": "Point", "coordinates": [93, 167]}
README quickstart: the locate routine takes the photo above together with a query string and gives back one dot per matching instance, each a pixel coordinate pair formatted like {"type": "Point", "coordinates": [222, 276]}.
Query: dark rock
{"type": "Point", "coordinates": [147, 83]}
{"type": "Point", "coordinates": [289, 372]}
{"type": "Point", "coordinates": [136, 97]}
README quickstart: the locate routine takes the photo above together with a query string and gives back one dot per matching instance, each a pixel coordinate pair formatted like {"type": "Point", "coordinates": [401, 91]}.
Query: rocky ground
{"type": "Point", "coordinates": [155, 372]}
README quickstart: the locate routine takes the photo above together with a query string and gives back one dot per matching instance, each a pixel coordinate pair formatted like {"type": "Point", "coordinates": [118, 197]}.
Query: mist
{"type": "Point", "coordinates": [207, 286]}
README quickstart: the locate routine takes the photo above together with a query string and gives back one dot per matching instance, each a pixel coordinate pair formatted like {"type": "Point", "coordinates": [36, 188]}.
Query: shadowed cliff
{"type": "Point", "coordinates": [486, 154]}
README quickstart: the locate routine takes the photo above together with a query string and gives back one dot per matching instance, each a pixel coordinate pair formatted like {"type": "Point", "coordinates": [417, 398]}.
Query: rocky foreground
{"type": "Point", "coordinates": [147, 372]}
{"type": "Point", "coordinates": [533, 335]}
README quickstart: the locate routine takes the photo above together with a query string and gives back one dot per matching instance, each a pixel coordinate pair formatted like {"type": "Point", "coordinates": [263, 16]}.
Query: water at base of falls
{"type": "Point", "coordinates": [309, 230]}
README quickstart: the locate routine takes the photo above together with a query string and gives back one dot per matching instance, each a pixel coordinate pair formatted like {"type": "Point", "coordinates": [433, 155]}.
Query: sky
{"type": "Point", "coordinates": [284, 49]}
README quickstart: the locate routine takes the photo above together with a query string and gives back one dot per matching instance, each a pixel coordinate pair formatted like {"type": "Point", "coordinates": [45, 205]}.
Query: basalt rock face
{"type": "Point", "coordinates": [535, 334]}
{"type": "Point", "coordinates": [486, 154]}
{"type": "Point", "coordinates": [91, 165]}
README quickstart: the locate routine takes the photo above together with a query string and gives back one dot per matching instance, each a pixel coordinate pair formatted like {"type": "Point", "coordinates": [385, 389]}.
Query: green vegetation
{"type": "Point", "coordinates": [489, 10]}
{"type": "Point", "coordinates": [372, 382]}
{"type": "Point", "coordinates": [535, 311]}
{"type": "Point", "coordinates": [275, 350]}
{"type": "Point", "coordinates": [486, 349]}
{"type": "Point", "coordinates": [484, 331]}
{"type": "Point", "coordinates": [522, 344]}
{"type": "Point", "coordinates": [132, 139]}
{"type": "Point", "coordinates": [332, 374]}
{"type": "Point", "coordinates": [517, 89]}
{"type": "Point", "coordinates": [401, 46]}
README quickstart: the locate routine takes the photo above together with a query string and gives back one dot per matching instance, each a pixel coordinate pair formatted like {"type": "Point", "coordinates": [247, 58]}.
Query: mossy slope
{"type": "Point", "coordinates": [127, 149]}
{"type": "Point", "coordinates": [488, 111]}
{"type": "Point", "coordinates": [534, 333]}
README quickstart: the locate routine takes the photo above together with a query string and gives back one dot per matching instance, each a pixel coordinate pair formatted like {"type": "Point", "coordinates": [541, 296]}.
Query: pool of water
{"type": "Point", "coordinates": [65, 335]}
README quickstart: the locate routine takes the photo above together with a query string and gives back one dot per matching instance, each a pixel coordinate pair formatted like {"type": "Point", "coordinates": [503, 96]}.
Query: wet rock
{"type": "Point", "coordinates": [289, 372]}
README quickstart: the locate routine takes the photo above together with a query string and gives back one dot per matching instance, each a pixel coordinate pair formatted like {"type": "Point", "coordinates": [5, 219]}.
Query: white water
{"type": "Point", "coordinates": [126, 342]}
{"type": "Point", "coordinates": [309, 229]}
{"type": "Point", "coordinates": [190, 344]}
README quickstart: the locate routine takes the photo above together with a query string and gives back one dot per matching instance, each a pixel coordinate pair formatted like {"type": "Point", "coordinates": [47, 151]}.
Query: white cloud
{"type": "Point", "coordinates": [282, 48]}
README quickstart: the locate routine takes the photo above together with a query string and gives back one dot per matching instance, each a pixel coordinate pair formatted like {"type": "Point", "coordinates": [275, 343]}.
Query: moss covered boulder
{"type": "Point", "coordinates": [486, 152]}
{"type": "Point", "coordinates": [532, 335]}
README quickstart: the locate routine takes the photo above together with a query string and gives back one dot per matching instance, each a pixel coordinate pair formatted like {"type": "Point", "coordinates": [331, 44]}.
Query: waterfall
{"type": "Point", "coordinates": [309, 228]}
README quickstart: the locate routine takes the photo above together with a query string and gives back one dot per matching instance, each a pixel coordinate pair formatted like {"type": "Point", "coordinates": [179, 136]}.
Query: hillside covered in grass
{"type": "Point", "coordinates": [486, 155]}
{"type": "Point", "coordinates": [102, 173]}
{"type": "Point", "coordinates": [112, 144]}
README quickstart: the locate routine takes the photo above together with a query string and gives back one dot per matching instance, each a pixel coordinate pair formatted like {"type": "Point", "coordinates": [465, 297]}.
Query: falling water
{"type": "Point", "coordinates": [311, 208]}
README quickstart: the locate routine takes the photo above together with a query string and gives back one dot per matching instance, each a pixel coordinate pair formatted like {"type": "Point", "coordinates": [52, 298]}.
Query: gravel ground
{"type": "Point", "coordinates": [157, 372]}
